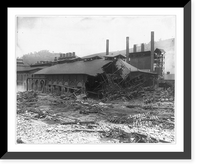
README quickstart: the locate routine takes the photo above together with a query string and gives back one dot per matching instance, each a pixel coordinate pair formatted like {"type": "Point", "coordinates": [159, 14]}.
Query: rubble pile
{"type": "Point", "coordinates": [158, 95]}
{"type": "Point", "coordinates": [28, 96]}
{"type": "Point", "coordinates": [149, 94]}
{"type": "Point", "coordinates": [130, 137]}
{"type": "Point", "coordinates": [73, 116]}
{"type": "Point", "coordinates": [25, 100]}
{"type": "Point", "coordinates": [124, 94]}
{"type": "Point", "coordinates": [86, 108]}
{"type": "Point", "coordinates": [144, 119]}
{"type": "Point", "coordinates": [68, 96]}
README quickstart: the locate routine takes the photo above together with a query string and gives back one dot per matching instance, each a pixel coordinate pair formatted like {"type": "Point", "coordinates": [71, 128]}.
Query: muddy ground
{"type": "Point", "coordinates": [49, 119]}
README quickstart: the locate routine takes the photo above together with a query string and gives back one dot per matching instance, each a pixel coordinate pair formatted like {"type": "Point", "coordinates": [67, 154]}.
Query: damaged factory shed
{"type": "Point", "coordinates": [91, 76]}
{"type": "Point", "coordinates": [108, 97]}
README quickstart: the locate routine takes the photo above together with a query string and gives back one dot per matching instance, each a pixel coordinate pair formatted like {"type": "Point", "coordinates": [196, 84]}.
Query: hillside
{"type": "Point", "coordinates": [43, 55]}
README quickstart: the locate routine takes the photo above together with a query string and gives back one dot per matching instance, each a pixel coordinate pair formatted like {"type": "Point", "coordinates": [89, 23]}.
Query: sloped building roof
{"type": "Point", "coordinates": [115, 55]}
{"type": "Point", "coordinates": [91, 56]}
{"type": "Point", "coordinates": [126, 65]}
{"type": "Point", "coordinates": [127, 68]}
{"type": "Point", "coordinates": [26, 69]}
{"type": "Point", "coordinates": [91, 68]}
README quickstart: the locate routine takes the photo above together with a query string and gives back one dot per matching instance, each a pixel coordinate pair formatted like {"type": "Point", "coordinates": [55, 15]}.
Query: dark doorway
{"type": "Point", "coordinates": [42, 85]}
{"type": "Point", "coordinates": [36, 85]}
{"type": "Point", "coordinates": [94, 85]}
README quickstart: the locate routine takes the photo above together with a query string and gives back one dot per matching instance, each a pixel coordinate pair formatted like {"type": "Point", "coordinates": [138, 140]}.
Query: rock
{"type": "Point", "coordinates": [19, 141]}
{"type": "Point", "coordinates": [49, 129]}
{"type": "Point", "coordinates": [102, 104]}
{"type": "Point", "coordinates": [81, 97]}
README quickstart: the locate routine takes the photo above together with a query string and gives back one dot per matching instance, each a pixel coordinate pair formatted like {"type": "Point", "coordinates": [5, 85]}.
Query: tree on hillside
{"type": "Point", "coordinates": [43, 55]}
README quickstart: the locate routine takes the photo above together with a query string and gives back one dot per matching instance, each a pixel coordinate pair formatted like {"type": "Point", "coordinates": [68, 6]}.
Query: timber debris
{"type": "Point", "coordinates": [102, 121]}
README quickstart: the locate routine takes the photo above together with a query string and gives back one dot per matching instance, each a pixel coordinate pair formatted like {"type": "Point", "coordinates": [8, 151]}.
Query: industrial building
{"type": "Point", "coordinates": [89, 76]}
{"type": "Point", "coordinates": [152, 60]}
{"type": "Point", "coordinates": [70, 73]}
{"type": "Point", "coordinates": [25, 71]}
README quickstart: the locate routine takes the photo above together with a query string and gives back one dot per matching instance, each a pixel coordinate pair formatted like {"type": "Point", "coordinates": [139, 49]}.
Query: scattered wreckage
{"type": "Point", "coordinates": [107, 101]}
{"type": "Point", "coordinates": [120, 121]}
{"type": "Point", "coordinates": [94, 77]}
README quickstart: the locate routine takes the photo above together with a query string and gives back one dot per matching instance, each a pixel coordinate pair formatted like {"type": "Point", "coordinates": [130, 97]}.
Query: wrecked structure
{"type": "Point", "coordinates": [95, 74]}
{"type": "Point", "coordinates": [91, 76]}
{"type": "Point", "coordinates": [129, 109]}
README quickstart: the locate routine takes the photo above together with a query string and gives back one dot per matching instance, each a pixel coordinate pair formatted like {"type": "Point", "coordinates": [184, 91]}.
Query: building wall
{"type": "Point", "coordinates": [59, 83]}
{"type": "Point", "coordinates": [21, 79]}
{"type": "Point", "coordinates": [142, 62]}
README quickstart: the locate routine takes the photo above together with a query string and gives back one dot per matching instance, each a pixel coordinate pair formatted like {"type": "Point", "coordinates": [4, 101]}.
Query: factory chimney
{"type": "Point", "coordinates": [135, 48]}
{"type": "Point", "coordinates": [142, 47]}
{"type": "Point", "coordinates": [127, 49]}
{"type": "Point", "coordinates": [107, 47]}
{"type": "Point", "coordinates": [152, 51]}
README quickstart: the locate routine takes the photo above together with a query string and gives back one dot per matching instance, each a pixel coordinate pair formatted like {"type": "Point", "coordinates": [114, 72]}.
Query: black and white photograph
{"type": "Point", "coordinates": [98, 83]}
{"type": "Point", "coordinates": [95, 79]}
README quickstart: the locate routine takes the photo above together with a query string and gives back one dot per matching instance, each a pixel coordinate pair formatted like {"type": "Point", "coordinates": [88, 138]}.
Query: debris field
{"type": "Point", "coordinates": [145, 116]}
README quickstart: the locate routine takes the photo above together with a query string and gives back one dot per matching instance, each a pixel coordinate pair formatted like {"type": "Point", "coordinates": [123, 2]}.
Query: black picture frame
{"type": "Point", "coordinates": [186, 154]}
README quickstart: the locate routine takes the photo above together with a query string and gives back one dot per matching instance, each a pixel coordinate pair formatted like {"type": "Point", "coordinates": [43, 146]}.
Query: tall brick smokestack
{"type": "Point", "coordinates": [142, 47]}
{"type": "Point", "coordinates": [135, 48]}
{"type": "Point", "coordinates": [127, 49]}
{"type": "Point", "coordinates": [152, 51]}
{"type": "Point", "coordinates": [107, 47]}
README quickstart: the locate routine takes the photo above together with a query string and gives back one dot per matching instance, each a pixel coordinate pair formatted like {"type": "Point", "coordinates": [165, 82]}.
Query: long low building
{"type": "Point", "coordinates": [84, 75]}
{"type": "Point", "coordinates": [68, 77]}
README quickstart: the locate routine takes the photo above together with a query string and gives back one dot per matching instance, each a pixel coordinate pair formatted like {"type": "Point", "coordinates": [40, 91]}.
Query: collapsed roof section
{"type": "Point", "coordinates": [124, 69]}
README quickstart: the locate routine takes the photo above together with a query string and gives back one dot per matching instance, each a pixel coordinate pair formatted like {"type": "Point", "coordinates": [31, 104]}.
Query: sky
{"type": "Point", "coordinates": [87, 35]}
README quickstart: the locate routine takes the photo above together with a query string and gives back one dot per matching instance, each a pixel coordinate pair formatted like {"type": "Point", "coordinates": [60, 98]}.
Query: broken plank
{"type": "Point", "coordinates": [145, 136]}
{"type": "Point", "coordinates": [82, 122]}
{"type": "Point", "coordinates": [87, 130]}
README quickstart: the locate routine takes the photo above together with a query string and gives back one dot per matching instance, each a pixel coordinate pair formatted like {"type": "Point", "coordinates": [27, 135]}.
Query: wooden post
{"type": "Point", "coordinates": [27, 84]}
